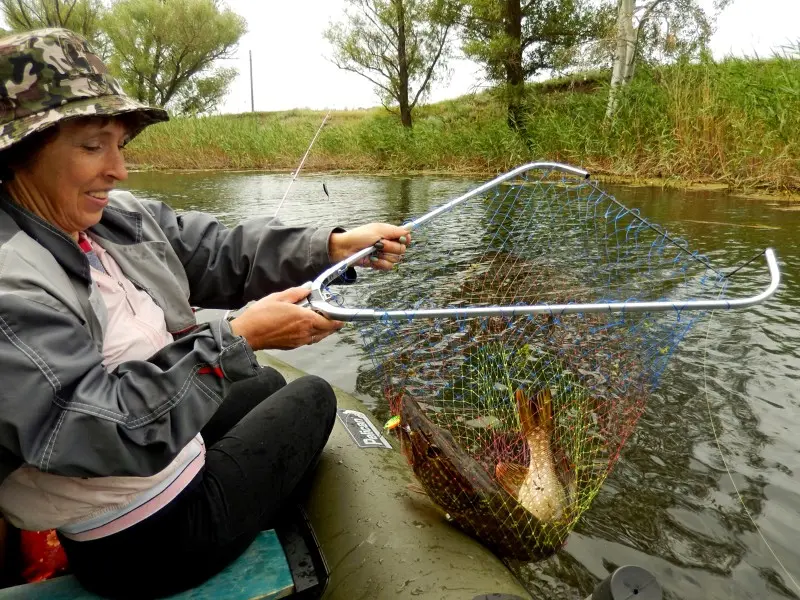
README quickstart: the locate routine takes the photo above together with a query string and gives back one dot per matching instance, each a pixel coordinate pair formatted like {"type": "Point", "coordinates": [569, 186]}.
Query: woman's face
{"type": "Point", "coordinates": [68, 180]}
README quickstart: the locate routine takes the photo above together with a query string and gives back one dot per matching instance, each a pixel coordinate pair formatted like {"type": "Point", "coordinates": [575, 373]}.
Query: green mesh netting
{"type": "Point", "coordinates": [512, 425]}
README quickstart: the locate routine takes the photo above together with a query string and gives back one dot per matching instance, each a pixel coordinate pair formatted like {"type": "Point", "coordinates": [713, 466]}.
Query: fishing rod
{"type": "Point", "coordinates": [302, 162]}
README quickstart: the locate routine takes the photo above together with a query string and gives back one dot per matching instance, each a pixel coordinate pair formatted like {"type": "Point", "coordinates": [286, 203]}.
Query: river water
{"type": "Point", "coordinates": [670, 505]}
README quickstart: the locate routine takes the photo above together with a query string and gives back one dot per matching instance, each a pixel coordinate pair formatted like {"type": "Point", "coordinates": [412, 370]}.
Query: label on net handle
{"type": "Point", "coordinates": [361, 429]}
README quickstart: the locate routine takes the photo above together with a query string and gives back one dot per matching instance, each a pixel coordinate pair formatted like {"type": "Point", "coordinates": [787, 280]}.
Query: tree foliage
{"type": "Point", "coordinates": [657, 31]}
{"type": "Point", "coordinates": [515, 40]}
{"type": "Point", "coordinates": [202, 95]}
{"type": "Point", "coordinates": [401, 46]}
{"type": "Point", "coordinates": [164, 51]}
{"type": "Point", "coordinates": [82, 16]}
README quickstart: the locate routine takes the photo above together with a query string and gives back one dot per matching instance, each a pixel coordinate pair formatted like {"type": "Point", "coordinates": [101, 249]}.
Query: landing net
{"type": "Point", "coordinates": [512, 423]}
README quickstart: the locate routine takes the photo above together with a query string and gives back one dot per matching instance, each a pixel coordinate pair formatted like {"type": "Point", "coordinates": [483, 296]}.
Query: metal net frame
{"type": "Point", "coordinates": [523, 333]}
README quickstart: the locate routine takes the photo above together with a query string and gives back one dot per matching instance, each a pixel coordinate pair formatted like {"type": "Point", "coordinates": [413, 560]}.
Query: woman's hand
{"type": "Point", "coordinates": [392, 238]}
{"type": "Point", "coordinates": [276, 322]}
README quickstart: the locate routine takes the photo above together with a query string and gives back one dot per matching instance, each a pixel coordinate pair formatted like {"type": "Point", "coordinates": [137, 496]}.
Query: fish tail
{"type": "Point", "coordinates": [527, 420]}
{"type": "Point", "coordinates": [535, 413]}
{"type": "Point", "coordinates": [544, 409]}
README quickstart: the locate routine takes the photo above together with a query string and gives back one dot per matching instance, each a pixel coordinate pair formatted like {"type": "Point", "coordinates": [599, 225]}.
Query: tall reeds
{"type": "Point", "coordinates": [735, 121]}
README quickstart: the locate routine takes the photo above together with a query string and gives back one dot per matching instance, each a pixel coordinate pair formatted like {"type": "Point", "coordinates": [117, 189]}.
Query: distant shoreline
{"type": "Point", "coordinates": [731, 125]}
{"type": "Point", "coordinates": [677, 184]}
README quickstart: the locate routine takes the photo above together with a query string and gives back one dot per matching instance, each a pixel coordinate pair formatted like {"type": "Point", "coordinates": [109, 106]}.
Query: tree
{"type": "Point", "coordinates": [82, 16]}
{"type": "Point", "coordinates": [648, 28]}
{"type": "Point", "coordinates": [398, 45]}
{"type": "Point", "coordinates": [516, 39]}
{"type": "Point", "coordinates": [164, 51]}
{"type": "Point", "coordinates": [203, 94]}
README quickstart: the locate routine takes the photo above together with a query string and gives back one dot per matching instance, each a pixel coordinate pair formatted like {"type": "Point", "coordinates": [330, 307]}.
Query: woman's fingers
{"type": "Point", "coordinates": [277, 322]}
{"type": "Point", "coordinates": [392, 247]}
{"type": "Point", "coordinates": [388, 253]}
{"type": "Point", "coordinates": [322, 328]}
{"type": "Point", "coordinates": [387, 238]}
{"type": "Point", "coordinates": [322, 324]}
{"type": "Point", "coordinates": [318, 337]}
{"type": "Point", "coordinates": [290, 295]}
{"type": "Point", "coordinates": [381, 263]}
{"type": "Point", "coordinates": [385, 232]}
{"type": "Point", "coordinates": [392, 258]}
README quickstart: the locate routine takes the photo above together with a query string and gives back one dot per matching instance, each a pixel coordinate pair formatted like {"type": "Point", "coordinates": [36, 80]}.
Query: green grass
{"type": "Point", "coordinates": [735, 122]}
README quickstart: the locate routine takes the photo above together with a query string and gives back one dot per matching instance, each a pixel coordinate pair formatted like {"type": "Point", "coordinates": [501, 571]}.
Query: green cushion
{"type": "Point", "coordinates": [261, 573]}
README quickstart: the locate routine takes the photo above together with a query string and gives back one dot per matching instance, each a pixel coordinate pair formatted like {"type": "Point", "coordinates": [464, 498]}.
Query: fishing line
{"type": "Point", "coordinates": [725, 462]}
{"type": "Point", "coordinates": [302, 162]}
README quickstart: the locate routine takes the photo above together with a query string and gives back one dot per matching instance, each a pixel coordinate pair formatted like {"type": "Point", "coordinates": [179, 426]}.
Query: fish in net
{"type": "Point", "coordinates": [517, 344]}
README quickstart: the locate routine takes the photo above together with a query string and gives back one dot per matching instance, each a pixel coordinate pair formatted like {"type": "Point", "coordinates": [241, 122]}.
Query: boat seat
{"type": "Point", "coordinates": [278, 564]}
{"type": "Point", "coordinates": [261, 572]}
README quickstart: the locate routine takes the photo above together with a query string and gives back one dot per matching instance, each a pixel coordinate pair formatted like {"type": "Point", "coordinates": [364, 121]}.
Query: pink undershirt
{"type": "Point", "coordinates": [135, 330]}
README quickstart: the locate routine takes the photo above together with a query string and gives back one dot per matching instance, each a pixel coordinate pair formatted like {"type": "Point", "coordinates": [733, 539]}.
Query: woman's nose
{"type": "Point", "coordinates": [116, 167]}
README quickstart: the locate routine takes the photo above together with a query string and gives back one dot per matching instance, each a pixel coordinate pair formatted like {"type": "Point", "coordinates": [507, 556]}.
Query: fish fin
{"type": "Point", "coordinates": [544, 409]}
{"type": "Point", "coordinates": [511, 476]}
{"type": "Point", "coordinates": [526, 419]}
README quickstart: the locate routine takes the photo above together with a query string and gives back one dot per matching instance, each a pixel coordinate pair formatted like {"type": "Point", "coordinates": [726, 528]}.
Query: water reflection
{"type": "Point", "coordinates": [669, 506]}
{"type": "Point", "coordinates": [398, 195]}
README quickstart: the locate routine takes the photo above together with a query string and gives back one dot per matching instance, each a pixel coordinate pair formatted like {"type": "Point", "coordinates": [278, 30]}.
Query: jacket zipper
{"type": "Point", "coordinates": [164, 310]}
{"type": "Point", "coordinates": [145, 328]}
{"type": "Point", "coordinates": [148, 330]}
{"type": "Point", "coordinates": [124, 293]}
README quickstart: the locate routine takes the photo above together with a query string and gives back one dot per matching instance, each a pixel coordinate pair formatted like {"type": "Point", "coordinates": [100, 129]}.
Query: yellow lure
{"type": "Point", "coordinates": [392, 423]}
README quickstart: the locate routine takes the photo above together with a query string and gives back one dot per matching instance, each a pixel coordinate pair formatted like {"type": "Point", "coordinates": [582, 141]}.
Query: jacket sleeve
{"type": "Point", "coordinates": [228, 267]}
{"type": "Point", "coordinates": [64, 413]}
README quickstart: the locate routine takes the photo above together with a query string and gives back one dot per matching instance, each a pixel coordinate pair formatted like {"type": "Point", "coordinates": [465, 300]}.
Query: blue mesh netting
{"type": "Point", "coordinates": [512, 424]}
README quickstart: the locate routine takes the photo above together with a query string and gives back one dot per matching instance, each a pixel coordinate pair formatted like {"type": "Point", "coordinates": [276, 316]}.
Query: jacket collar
{"type": "Point", "coordinates": [117, 225]}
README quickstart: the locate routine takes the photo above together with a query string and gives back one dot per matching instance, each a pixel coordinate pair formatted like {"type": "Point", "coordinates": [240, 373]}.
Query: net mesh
{"type": "Point", "coordinates": [511, 424]}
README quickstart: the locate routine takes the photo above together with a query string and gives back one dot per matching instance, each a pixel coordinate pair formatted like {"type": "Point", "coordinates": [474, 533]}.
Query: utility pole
{"type": "Point", "coordinates": [252, 103]}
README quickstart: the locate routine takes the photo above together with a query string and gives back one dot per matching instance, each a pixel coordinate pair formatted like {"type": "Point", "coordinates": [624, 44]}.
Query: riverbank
{"type": "Point", "coordinates": [731, 124]}
{"type": "Point", "coordinates": [791, 196]}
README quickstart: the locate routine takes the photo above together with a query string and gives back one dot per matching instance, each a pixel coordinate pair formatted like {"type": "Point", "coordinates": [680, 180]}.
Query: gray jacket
{"type": "Point", "coordinates": [61, 410]}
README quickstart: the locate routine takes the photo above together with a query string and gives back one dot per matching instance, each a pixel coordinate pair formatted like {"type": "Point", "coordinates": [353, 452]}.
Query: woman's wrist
{"type": "Point", "coordinates": [239, 327]}
{"type": "Point", "coordinates": [336, 250]}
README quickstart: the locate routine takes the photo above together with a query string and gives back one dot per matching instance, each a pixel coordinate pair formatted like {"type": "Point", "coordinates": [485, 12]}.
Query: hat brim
{"type": "Point", "coordinates": [102, 106]}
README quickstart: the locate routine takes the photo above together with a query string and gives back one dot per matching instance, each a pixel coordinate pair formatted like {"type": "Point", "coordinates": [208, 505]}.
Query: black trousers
{"type": "Point", "coordinates": [261, 444]}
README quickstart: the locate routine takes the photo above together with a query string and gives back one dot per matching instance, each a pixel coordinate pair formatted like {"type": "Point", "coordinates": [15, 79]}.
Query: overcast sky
{"type": "Point", "coordinates": [291, 69]}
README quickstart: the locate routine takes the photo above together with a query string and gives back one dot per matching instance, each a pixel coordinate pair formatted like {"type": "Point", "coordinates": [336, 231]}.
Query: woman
{"type": "Point", "coordinates": [158, 448]}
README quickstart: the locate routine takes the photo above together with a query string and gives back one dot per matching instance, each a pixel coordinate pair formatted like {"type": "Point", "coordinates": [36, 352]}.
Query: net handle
{"type": "Point", "coordinates": [543, 166]}
{"type": "Point", "coordinates": [319, 297]}
{"type": "Point", "coordinates": [341, 267]}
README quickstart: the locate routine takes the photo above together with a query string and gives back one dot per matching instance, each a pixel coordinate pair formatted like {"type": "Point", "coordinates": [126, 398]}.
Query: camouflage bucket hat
{"type": "Point", "coordinates": [50, 75]}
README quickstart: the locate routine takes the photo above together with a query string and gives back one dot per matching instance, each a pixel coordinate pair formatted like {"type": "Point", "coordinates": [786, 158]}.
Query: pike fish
{"type": "Point", "coordinates": [459, 485]}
